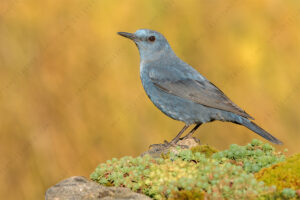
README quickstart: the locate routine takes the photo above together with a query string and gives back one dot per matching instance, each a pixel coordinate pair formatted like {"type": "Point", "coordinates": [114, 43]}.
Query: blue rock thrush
{"type": "Point", "coordinates": [180, 91]}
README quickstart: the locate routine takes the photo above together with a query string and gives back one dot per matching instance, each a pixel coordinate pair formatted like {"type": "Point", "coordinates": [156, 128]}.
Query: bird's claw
{"type": "Point", "coordinates": [167, 145]}
{"type": "Point", "coordinates": [164, 145]}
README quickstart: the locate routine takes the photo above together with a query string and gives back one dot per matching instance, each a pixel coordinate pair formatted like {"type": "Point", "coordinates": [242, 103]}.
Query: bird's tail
{"type": "Point", "coordinates": [252, 126]}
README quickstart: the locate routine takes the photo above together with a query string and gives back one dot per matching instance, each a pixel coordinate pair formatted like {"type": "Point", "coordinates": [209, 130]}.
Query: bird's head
{"type": "Point", "coordinates": [151, 44]}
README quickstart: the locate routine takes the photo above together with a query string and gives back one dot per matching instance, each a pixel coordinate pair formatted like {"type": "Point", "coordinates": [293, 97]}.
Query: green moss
{"type": "Point", "coordinates": [252, 157]}
{"type": "Point", "coordinates": [283, 175]}
{"type": "Point", "coordinates": [165, 155]}
{"type": "Point", "coordinates": [285, 194]}
{"type": "Point", "coordinates": [197, 173]}
{"type": "Point", "coordinates": [207, 150]}
{"type": "Point", "coordinates": [188, 194]}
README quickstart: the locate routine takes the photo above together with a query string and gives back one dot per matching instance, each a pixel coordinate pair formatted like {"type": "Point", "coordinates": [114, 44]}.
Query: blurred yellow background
{"type": "Point", "coordinates": [71, 97]}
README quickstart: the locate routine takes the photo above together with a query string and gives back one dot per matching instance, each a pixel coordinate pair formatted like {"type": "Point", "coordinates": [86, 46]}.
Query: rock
{"type": "Point", "coordinates": [156, 150]}
{"type": "Point", "coordinates": [80, 188]}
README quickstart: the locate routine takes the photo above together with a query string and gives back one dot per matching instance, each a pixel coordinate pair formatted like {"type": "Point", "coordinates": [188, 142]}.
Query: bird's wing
{"type": "Point", "coordinates": [193, 88]}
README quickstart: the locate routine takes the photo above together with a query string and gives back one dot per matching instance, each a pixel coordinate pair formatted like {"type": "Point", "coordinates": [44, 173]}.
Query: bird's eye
{"type": "Point", "coordinates": [151, 38]}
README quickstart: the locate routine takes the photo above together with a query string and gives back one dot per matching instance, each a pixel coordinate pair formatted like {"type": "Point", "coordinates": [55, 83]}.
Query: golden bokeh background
{"type": "Point", "coordinates": [71, 97]}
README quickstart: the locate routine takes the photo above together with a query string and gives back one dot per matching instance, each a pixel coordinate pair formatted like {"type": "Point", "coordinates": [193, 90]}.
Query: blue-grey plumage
{"type": "Point", "coordinates": [180, 91]}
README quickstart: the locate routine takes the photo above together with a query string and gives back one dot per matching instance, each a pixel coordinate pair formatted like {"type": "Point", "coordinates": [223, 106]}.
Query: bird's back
{"type": "Point", "coordinates": [179, 79]}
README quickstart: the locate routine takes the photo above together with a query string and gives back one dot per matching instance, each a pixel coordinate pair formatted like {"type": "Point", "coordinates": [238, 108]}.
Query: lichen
{"type": "Point", "coordinates": [283, 175]}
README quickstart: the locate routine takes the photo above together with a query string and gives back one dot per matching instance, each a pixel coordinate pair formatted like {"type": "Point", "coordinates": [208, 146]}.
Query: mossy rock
{"type": "Point", "coordinates": [207, 150]}
{"type": "Point", "coordinates": [204, 149]}
{"type": "Point", "coordinates": [283, 175]}
{"type": "Point", "coordinates": [201, 172]}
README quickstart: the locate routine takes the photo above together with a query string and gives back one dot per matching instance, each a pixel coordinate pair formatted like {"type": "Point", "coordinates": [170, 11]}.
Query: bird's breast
{"type": "Point", "coordinates": [144, 75]}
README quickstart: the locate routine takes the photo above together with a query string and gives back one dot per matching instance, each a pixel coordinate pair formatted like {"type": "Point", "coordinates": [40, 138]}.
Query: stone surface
{"type": "Point", "coordinates": [157, 149]}
{"type": "Point", "coordinates": [80, 188]}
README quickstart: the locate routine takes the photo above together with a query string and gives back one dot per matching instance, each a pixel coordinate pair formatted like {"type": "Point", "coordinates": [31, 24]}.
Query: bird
{"type": "Point", "coordinates": [181, 92]}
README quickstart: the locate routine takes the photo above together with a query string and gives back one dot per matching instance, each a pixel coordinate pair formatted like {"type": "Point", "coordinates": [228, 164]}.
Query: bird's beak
{"type": "Point", "coordinates": [127, 35]}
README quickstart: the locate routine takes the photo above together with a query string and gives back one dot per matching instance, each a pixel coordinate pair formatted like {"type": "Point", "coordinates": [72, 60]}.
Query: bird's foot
{"type": "Point", "coordinates": [157, 150]}
{"type": "Point", "coordinates": [167, 145]}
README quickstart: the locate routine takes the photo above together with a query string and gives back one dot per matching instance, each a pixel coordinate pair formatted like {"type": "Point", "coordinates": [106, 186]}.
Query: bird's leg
{"type": "Point", "coordinates": [173, 141]}
{"type": "Point", "coordinates": [192, 131]}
